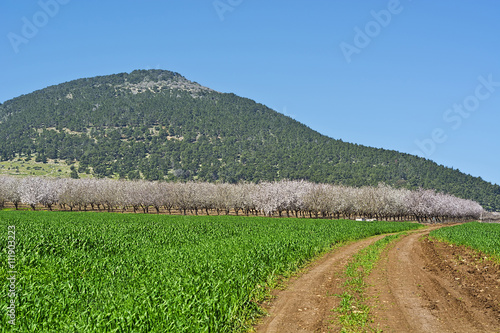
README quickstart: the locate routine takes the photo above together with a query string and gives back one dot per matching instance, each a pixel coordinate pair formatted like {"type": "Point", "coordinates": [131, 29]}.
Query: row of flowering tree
{"type": "Point", "coordinates": [282, 198]}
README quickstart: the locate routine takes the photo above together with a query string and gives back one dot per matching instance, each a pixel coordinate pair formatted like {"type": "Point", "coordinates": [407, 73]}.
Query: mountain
{"type": "Point", "coordinates": [156, 124]}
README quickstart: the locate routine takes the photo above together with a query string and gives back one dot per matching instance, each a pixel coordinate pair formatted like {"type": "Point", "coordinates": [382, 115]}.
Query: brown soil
{"type": "Point", "coordinates": [427, 286]}
{"type": "Point", "coordinates": [306, 304]}
{"type": "Point", "coordinates": [419, 285]}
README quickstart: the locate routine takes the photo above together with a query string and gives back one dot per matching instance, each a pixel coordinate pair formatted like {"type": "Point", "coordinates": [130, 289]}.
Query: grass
{"type": "Point", "coordinates": [107, 272]}
{"type": "Point", "coordinates": [484, 237]}
{"type": "Point", "coordinates": [22, 168]}
{"type": "Point", "coordinates": [353, 313]}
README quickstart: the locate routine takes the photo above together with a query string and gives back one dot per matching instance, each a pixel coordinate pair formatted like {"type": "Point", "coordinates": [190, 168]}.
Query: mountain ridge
{"type": "Point", "coordinates": [156, 124]}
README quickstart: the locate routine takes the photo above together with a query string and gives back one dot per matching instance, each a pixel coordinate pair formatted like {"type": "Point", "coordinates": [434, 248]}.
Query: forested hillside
{"type": "Point", "coordinates": [158, 125]}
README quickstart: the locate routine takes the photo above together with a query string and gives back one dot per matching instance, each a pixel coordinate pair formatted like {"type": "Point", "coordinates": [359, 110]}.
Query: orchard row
{"type": "Point", "coordinates": [299, 198]}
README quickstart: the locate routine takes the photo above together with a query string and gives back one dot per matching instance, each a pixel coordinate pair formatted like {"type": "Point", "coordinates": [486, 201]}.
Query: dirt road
{"type": "Point", "coordinates": [418, 286]}
{"type": "Point", "coordinates": [306, 304]}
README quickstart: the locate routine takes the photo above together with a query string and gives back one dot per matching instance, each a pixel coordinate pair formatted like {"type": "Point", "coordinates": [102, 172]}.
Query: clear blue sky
{"type": "Point", "coordinates": [414, 76]}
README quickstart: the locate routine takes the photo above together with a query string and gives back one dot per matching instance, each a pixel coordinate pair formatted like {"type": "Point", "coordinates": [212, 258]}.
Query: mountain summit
{"type": "Point", "coordinates": [157, 124]}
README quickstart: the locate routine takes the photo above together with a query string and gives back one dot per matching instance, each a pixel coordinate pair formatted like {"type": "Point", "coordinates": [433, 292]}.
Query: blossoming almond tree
{"type": "Point", "coordinates": [269, 198]}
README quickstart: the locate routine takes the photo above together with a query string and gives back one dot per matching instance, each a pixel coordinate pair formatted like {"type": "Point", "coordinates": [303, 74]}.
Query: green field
{"type": "Point", "coordinates": [480, 236]}
{"type": "Point", "coordinates": [107, 272]}
{"type": "Point", "coordinates": [23, 168]}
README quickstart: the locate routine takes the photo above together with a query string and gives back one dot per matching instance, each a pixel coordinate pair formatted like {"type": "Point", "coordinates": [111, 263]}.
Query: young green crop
{"type": "Point", "coordinates": [106, 272]}
{"type": "Point", "coordinates": [480, 236]}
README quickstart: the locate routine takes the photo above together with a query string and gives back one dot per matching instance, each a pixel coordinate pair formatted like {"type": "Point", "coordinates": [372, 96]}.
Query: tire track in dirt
{"type": "Point", "coordinates": [306, 304]}
{"type": "Point", "coordinates": [414, 289]}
